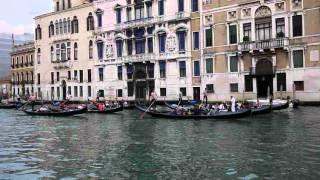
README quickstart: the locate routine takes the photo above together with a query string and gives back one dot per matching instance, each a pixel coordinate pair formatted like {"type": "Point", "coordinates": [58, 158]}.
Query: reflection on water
{"type": "Point", "coordinates": [282, 145]}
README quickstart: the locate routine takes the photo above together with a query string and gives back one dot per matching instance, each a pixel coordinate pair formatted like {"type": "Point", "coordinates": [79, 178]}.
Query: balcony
{"type": "Point", "coordinates": [59, 64]}
{"type": "Point", "coordinates": [183, 15]}
{"type": "Point", "coordinates": [26, 64]}
{"type": "Point", "coordinates": [263, 71]}
{"type": "Point", "coordinates": [61, 37]}
{"type": "Point", "coordinates": [137, 58]}
{"type": "Point", "coordinates": [136, 23]}
{"type": "Point", "coordinates": [264, 44]}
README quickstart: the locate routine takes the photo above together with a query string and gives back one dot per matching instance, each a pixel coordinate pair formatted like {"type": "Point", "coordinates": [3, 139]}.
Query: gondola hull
{"type": "Point", "coordinates": [8, 106]}
{"type": "Point", "coordinates": [219, 115]}
{"type": "Point", "coordinates": [56, 114]}
{"type": "Point", "coordinates": [280, 106]}
{"type": "Point", "coordinates": [107, 111]}
{"type": "Point", "coordinates": [261, 110]}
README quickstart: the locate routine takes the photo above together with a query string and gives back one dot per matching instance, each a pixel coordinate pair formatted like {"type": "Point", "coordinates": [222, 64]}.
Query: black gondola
{"type": "Point", "coordinates": [280, 106]}
{"type": "Point", "coordinates": [218, 115]}
{"type": "Point", "coordinates": [107, 111]}
{"type": "Point", "coordinates": [8, 106]}
{"type": "Point", "coordinates": [261, 110]}
{"type": "Point", "coordinates": [69, 112]}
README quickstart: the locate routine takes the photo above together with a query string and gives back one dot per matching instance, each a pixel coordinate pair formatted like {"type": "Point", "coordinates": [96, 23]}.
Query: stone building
{"type": "Point", "coordinates": [258, 48]}
{"type": "Point", "coordinates": [22, 69]}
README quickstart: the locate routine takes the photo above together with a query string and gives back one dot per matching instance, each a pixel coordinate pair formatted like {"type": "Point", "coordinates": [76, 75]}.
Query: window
{"type": "Point", "coordinates": [162, 43]}
{"type": "Point", "coordinates": [150, 45]}
{"type": "Point", "coordinates": [52, 53]}
{"type": "Point", "coordinates": [150, 69]}
{"type": "Point", "coordinates": [65, 26]}
{"type": "Point", "coordinates": [234, 87]}
{"type": "Point", "coordinates": [75, 74]}
{"type": "Point", "coordinates": [180, 5]}
{"type": "Point", "coordinates": [60, 26]}
{"type": "Point", "coordinates": [81, 76]}
{"type": "Point", "coordinates": [129, 71]}
{"type": "Point", "coordinates": [69, 75]}
{"type": "Point", "coordinates": [81, 91]}
{"type": "Point", "coordinates": [281, 82]}
{"type": "Point", "coordinates": [58, 52]}
{"type": "Point", "coordinates": [297, 56]}
{"type": "Point", "coordinates": [63, 52]}
{"type": "Point", "coordinates": [183, 91]}
{"type": "Point", "coordinates": [299, 85]}
{"type": "Point", "coordinates": [196, 68]}
{"type": "Point", "coordinates": [51, 29]}
{"type": "Point", "coordinates": [140, 42]}
{"type": "Point", "coordinates": [233, 64]}
{"type": "Point", "coordinates": [100, 49]}
{"type": "Point", "coordinates": [149, 9]}
{"type": "Point", "coordinates": [182, 40]}
{"type": "Point", "coordinates": [69, 3]}
{"type": "Point", "coordinates": [119, 72]}
{"type": "Point", "coordinates": [195, 5]}
{"type": "Point", "coordinates": [100, 74]}
{"type": "Point", "coordinates": [58, 76]}
{"type": "Point", "coordinates": [280, 27]}
{"type": "Point", "coordinates": [89, 75]}
{"type": "Point", "coordinates": [130, 89]}
{"type": "Point", "coordinates": [129, 46]}
{"type": "Point", "coordinates": [99, 18]}
{"type": "Point", "coordinates": [118, 16]}
{"type": "Point", "coordinates": [69, 90]}
{"type": "Point", "coordinates": [90, 22]}
{"type": "Point", "coordinates": [119, 45]}
{"type": "Point", "coordinates": [38, 55]}
{"type": "Point", "coordinates": [246, 32]}
{"type": "Point", "coordinates": [195, 40]}
{"type": "Point", "coordinates": [209, 65]}
{"type": "Point", "coordinates": [248, 83]}
{"type": "Point", "coordinates": [68, 50]}
{"type": "Point", "coordinates": [75, 91]}
{"type": "Point", "coordinates": [58, 92]}
{"type": "Point", "coordinates": [52, 92]}
{"type": "Point", "coordinates": [38, 33]}
{"type": "Point", "coordinates": [119, 93]}
{"type": "Point", "coordinates": [89, 91]}
{"type": "Point", "coordinates": [210, 88]}
{"type": "Point", "coordinates": [232, 34]}
{"type": "Point", "coordinates": [297, 25]}
{"type": "Point", "coordinates": [263, 31]}
{"type": "Point", "coordinates": [208, 37]}
{"type": "Point", "coordinates": [139, 12]}
{"type": "Point", "coordinates": [75, 25]}
{"type": "Point", "coordinates": [129, 16]}
{"type": "Point", "coordinates": [90, 49]}
{"type": "Point", "coordinates": [75, 51]}
{"type": "Point", "coordinates": [57, 6]}
{"type": "Point", "coordinates": [163, 92]}
{"type": "Point", "coordinates": [63, 5]}
{"type": "Point", "coordinates": [52, 77]}
{"type": "Point", "coordinates": [161, 7]}
{"type": "Point", "coordinates": [182, 68]}
{"type": "Point", "coordinates": [38, 78]}
{"type": "Point", "coordinates": [162, 65]}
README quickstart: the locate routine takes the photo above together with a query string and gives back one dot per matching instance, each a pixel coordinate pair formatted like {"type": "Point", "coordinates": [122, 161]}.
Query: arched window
{"type": "Point", "coordinates": [75, 25]}
{"type": "Point", "coordinates": [68, 51]}
{"type": "Point", "coordinates": [38, 55]}
{"type": "Point", "coordinates": [69, 3]}
{"type": "Point", "coordinates": [69, 25]}
{"type": "Point", "coordinates": [57, 27]}
{"type": "Point", "coordinates": [52, 53]}
{"type": "Point", "coordinates": [63, 52]}
{"type": "Point", "coordinates": [38, 32]}
{"type": "Point", "coordinates": [90, 49]}
{"type": "Point", "coordinates": [90, 22]}
{"type": "Point", "coordinates": [99, 13]}
{"type": "Point", "coordinates": [22, 77]}
{"type": "Point", "coordinates": [51, 29]}
{"type": "Point", "coordinates": [75, 51]}
{"type": "Point", "coordinates": [100, 49]}
{"type": "Point", "coordinates": [58, 52]}
{"type": "Point", "coordinates": [65, 26]}
{"type": "Point", "coordinates": [61, 26]}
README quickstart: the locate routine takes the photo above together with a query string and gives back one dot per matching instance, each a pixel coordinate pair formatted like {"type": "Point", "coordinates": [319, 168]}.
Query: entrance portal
{"type": "Point", "coordinates": [264, 74]}
{"type": "Point", "coordinates": [196, 94]}
{"type": "Point", "coordinates": [64, 90]}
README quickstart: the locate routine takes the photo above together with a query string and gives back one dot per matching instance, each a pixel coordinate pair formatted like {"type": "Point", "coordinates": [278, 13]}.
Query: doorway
{"type": "Point", "coordinates": [141, 90]}
{"type": "Point", "coordinates": [64, 90]}
{"type": "Point", "coordinates": [196, 94]}
{"type": "Point", "coordinates": [265, 86]}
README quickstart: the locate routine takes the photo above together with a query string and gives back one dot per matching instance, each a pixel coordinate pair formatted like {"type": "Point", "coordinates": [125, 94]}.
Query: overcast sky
{"type": "Point", "coordinates": [16, 16]}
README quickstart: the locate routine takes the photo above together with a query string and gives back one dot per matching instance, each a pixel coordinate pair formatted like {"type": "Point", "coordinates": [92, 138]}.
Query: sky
{"type": "Point", "coordinates": [16, 16]}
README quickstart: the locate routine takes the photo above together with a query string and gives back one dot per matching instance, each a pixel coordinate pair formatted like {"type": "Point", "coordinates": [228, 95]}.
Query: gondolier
{"type": "Point", "coordinates": [153, 97]}
{"type": "Point", "coordinates": [233, 104]}
{"type": "Point", "coordinates": [180, 99]}
{"type": "Point", "coordinates": [32, 100]}
{"type": "Point", "coordinates": [205, 96]}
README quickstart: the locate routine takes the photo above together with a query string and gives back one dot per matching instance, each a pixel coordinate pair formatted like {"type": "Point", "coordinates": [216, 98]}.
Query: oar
{"type": "Point", "coordinates": [19, 109]}
{"type": "Point", "coordinates": [144, 113]}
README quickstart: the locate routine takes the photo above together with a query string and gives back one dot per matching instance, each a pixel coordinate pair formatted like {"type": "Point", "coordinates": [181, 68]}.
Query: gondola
{"type": "Point", "coordinates": [107, 111]}
{"type": "Point", "coordinates": [69, 112]}
{"type": "Point", "coordinates": [218, 115]}
{"type": "Point", "coordinates": [261, 110]}
{"type": "Point", "coordinates": [280, 106]}
{"type": "Point", "coordinates": [174, 106]}
{"type": "Point", "coordinates": [7, 106]}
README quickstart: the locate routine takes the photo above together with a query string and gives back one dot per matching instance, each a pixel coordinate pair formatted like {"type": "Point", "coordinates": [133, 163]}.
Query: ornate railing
{"type": "Point", "coordinates": [264, 44]}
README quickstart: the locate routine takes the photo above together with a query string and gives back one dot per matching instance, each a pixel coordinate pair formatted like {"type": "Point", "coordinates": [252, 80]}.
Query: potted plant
{"type": "Point", "coordinates": [280, 35]}
{"type": "Point", "coordinates": [246, 39]}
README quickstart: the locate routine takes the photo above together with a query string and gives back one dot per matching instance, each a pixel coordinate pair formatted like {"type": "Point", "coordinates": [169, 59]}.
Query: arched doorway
{"type": "Point", "coordinates": [265, 74]}
{"type": "Point", "coordinates": [141, 83]}
{"type": "Point", "coordinates": [64, 89]}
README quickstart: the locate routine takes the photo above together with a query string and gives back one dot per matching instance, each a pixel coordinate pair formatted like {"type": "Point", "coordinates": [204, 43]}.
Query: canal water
{"type": "Point", "coordinates": [282, 145]}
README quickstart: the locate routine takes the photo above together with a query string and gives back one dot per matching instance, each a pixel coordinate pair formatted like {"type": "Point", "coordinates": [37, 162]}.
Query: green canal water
{"type": "Point", "coordinates": [282, 145]}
